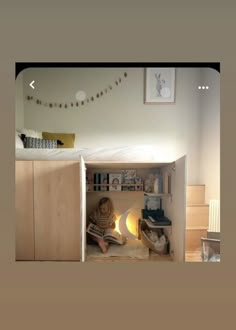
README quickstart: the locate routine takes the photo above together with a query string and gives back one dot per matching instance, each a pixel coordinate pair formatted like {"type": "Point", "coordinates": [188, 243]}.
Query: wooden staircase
{"type": "Point", "coordinates": [197, 215]}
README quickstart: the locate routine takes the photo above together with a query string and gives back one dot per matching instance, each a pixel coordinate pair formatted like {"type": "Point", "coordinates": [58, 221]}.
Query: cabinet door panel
{"type": "Point", "coordinates": [57, 210]}
{"type": "Point", "coordinates": [83, 208]}
{"type": "Point", "coordinates": [179, 200]}
{"type": "Point", "coordinates": [24, 210]}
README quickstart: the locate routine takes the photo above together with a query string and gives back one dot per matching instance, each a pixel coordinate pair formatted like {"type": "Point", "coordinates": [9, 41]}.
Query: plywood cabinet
{"type": "Point", "coordinates": [51, 206]}
{"type": "Point", "coordinates": [24, 194]}
{"type": "Point", "coordinates": [57, 210]}
{"type": "Point", "coordinates": [51, 229]}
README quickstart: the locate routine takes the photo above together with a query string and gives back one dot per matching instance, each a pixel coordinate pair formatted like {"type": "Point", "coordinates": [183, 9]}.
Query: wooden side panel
{"type": "Point", "coordinates": [24, 210]}
{"type": "Point", "coordinates": [195, 194]}
{"type": "Point", "coordinates": [197, 216]}
{"type": "Point", "coordinates": [83, 209]}
{"type": "Point", "coordinates": [179, 209]}
{"type": "Point", "coordinates": [57, 210]}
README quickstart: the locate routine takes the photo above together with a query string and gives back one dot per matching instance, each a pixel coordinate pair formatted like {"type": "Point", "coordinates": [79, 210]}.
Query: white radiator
{"type": "Point", "coordinates": [214, 216]}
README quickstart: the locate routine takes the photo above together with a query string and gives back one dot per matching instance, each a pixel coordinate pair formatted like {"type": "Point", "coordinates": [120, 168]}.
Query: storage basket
{"type": "Point", "coordinates": [210, 249]}
{"type": "Point", "coordinates": [151, 245]}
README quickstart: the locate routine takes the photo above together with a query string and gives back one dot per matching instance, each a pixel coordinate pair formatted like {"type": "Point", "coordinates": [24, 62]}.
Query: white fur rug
{"type": "Point", "coordinates": [132, 249]}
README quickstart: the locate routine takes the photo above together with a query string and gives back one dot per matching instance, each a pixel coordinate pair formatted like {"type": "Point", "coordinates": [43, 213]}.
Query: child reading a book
{"type": "Point", "coordinates": [103, 216]}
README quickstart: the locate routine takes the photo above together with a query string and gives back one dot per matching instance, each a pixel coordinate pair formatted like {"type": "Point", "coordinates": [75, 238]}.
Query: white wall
{"type": "Point", "coordinates": [210, 134]}
{"type": "Point", "coordinates": [119, 117]}
{"type": "Point", "coordinates": [188, 121]}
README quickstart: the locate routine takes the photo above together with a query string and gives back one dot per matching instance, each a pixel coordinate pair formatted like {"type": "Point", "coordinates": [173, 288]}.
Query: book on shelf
{"type": "Point", "coordinates": [126, 183]}
{"type": "Point", "coordinates": [115, 181]}
{"type": "Point", "coordinates": [129, 184]}
{"type": "Point", "coordinates": [129, 177]}
{"type": "Point", "coordinates": [96, 181]}
{"type": "Point", "coordinates": [89, 181]}
{"type": "Point", "coordinates": [160, 184]}
{"type": "Point", "coordinates": [104, 180]}
{"type": "Point", "coordinates": [139, 183]}
{"type": "Point", "coordinates": [108, 235]}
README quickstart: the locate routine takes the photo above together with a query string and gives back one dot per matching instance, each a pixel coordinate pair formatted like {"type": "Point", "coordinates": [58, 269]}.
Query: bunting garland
{"type": "Point", "coordinates": [76, 104]}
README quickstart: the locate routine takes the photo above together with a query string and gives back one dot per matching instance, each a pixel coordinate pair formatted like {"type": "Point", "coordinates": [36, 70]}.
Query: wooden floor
{"type": "Point", "coordinates": [190, 256]}
{"type": "Point", "coordinates": [152, 257]}
{"type": "Point", "coordinates": [193, 256]}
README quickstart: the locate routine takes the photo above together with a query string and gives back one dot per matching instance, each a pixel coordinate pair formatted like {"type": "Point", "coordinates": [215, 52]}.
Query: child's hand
{"type": "Point", "coordinates": [113, 225]}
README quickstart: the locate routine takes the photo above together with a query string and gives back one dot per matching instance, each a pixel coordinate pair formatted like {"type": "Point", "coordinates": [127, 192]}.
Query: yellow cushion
{"type": "Point", "coordinates": [67, 138]}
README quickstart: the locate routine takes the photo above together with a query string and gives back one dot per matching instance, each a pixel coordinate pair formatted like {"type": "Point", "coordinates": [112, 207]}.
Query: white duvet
{"type": "Point", "coordinates": [136, 153]}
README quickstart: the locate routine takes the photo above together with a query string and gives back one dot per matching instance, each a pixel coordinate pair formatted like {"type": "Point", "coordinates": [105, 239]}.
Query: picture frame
{"type": "Point", "coordinates": [159, 85]}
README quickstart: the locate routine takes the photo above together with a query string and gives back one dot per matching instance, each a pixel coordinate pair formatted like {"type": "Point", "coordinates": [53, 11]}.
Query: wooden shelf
{"type": "Point", "coordinates": [158, 195]}
{"type": "Point", "coordinates": [127, 185]}
{"type": "Point", "coordinates": [153, 225]}
{"type": "Point", "coordinates": [197, 228]}
{"type": "Point", "coordinates": [115, 191]}
{"type": "Point", "coordinates": [198, 205]}
{"type": "Point", "coordinates": [133, 191]}
{"type": "Point", "coordinates": [120, 184]}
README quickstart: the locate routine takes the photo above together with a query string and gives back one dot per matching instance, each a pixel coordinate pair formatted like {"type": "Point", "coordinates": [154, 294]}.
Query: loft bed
{"type": "Point", "coordinates": [144, 157]}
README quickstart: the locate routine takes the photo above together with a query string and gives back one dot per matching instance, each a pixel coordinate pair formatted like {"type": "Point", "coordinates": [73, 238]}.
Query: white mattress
{"type": "Point", "coordinates": [137, 153]}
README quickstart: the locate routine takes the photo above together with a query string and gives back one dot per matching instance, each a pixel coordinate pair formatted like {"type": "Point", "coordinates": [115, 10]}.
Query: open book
{"type": "Point", "coordinates": [108, 235]}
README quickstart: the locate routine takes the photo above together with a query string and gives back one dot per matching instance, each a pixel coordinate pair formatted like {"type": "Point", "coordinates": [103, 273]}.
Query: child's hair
{"type": "Point", "coordinates": [105, 200]}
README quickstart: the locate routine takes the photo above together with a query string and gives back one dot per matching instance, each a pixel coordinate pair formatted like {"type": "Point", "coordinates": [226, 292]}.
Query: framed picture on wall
{"type": "Point", "coordinates": [159, 85]}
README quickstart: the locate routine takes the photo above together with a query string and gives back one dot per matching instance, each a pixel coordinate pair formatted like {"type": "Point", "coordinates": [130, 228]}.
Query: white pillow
{"type": "Point", "coordinates": [19, 142]}
{"type": "Point", "coordinates": [31, 133]}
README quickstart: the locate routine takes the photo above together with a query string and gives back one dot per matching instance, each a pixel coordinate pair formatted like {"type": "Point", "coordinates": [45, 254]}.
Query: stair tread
{"type": "Point", "coordinates": [198, 205]}
{"type": "Point", "coordinates": [195, 194]}
{"type": "Point", "coordinates": [197, 228]}
{"type": "Point", "coordinates": [195, 185]}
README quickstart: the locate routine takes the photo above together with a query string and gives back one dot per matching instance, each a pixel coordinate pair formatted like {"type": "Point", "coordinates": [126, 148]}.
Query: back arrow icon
{"type": "Point", "coordinates": [31, 84]}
